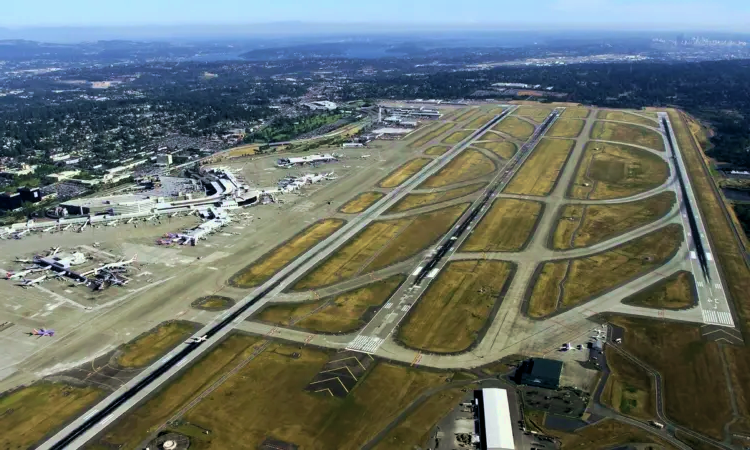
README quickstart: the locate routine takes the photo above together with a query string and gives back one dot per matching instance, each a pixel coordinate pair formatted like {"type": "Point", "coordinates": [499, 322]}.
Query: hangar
{"type": "Point", "coordinates": [540, 372]}
{"type": "Point", "coordinates": [495, 423]}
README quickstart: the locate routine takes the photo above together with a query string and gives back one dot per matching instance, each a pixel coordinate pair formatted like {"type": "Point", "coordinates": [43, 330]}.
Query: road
{"type": "Point", "coordinates": [81, 430]}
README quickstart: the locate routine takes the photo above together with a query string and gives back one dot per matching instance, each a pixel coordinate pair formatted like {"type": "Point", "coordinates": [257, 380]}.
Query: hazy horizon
{"type": "Point", "coordinates": [224, 17]}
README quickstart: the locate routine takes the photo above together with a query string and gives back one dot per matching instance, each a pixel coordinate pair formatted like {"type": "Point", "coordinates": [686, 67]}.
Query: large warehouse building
{"type": "Point", "coordinates": [540, 372]}
{"type": "Point", "coordinates": [495, 424]}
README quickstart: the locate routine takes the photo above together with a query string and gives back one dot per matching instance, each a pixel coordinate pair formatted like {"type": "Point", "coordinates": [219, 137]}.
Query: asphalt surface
{"type": "Point", "coordinates": [710, 287]}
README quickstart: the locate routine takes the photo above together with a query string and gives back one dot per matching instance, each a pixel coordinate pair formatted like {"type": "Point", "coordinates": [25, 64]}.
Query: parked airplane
{"type": "Point", "coordinates": [112, 223]}
{"type": "Point", "coordinates": [42, 332]}
{"type": "Point", "coordinates": [130, 221]}
{"type": "Point", "coordinates": [27, 282]}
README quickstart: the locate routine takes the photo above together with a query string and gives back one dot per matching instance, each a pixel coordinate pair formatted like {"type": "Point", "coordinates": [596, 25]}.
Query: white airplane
{"type": "Point", "coordinates": [21, 274]}
{"type": "Point", "coordinates": [197, 340]}
{"type": "Point", "coordinates": [21, 234]}
{"type": "Point", "coordinates": [173, 215]}
{"type": "Point", "coordinates": [112, 223]}
{"type": "Point", "coordinates": [121, 263]}
{"type": "Point", "coordinates": [27, 282]}
{"type": "Point", "coordinates": [67, 227]}
{"type": "Point", "coordinates": [54, 251]}
{"type": "Point", "coordinates": [149, 218]}
{"type": "Point", "coordinates": [130, 221]}
{"type": "Point", "coordinates": [365, 156]}
{"type": "Point", "coordinates": [330, 176]}
{"type": "Point", "coordinates": [83, 227]}
{"type": "Point", "coordinates": [47, 230]}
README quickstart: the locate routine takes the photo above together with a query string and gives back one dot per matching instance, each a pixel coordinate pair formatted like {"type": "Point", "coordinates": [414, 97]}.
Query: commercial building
{"type": "Point", "coordinates": [324, 105]}
{"type": "Point", "coordinates": [164, 159]}
{"type": "Point", "coordinates": [304, 160]}
{"type": "Point", "coordinates": [540, 372]}
{"type": "Point", "coordinates": [495, 423]}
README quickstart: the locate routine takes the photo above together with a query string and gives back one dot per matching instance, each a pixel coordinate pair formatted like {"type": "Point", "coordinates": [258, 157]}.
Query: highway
{"type": "Point", "coordinates": [81, 430]}
{"type": "Point", "coordinates": [709, 284]}
{"type": "Point", "coordinates": [385, 322]}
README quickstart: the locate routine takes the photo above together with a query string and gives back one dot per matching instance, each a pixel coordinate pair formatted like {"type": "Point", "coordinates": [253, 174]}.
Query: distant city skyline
{"type": "Point", "coordinates": [716, 15]}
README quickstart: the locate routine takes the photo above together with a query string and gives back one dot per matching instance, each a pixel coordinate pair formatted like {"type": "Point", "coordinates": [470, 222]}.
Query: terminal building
{"type": "Point", "coordinates": [495, 426]}
{"type": "Point", "coordinates": [540, 372]}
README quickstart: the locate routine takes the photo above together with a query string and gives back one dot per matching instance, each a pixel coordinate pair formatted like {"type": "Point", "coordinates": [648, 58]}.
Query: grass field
{"type": "Point", "coordinates": [515, 127]}
{"type": "Point", "coordinates": [575, 113]}
{"type": "Point", "coordinates": [609, 171]}
{"type": "Point", "coordinates": [623, 116]}
{"type": "Point", "coordinates": [566, 128]}
{"type": "Point", "coordinates": [581, 279]}
{"type": "Point", "coordinates": [31, 413]}
{"type": "Point", "coordinates": [342, 313]}
{"type": "Point", "coordinates": [609, 434]}
{"type": "Point", "coordinates": [539, 173]}
{"type": "Point", "coordinates": [628, 134]}
{"type": "Point", "coordinates": [415, 429]}
{"type": "Point", "coordinates": [381, 244]}
{"type": "Point", "coordinates": [263, 269]}
{"type": "Point", "coordinates": [586, 225]}
{"type": "Point", "coordinates": [535, 113]}
{"type": "Point", "coordinates": [455, 307]}
{"type": "Point", "coordinates": [361, 202]}
{"type": "Point", "coordinates": [694, 395]}
{"type": "Point", "coordinates": [457, 137]}
{"type": "Point", "coordinates": [738, 361]}
{"type": "Point", "coordinates": [675, 292]}
{"type": "Point", "coordinates": [148, 347]}
{"type": "Point", "coordinates": [436, 150]}
{"type": "Point", "coordinates": [403, 173]}
{"type": "Point", "coordinates": [629, 389]}
{"type": "Point", "coordinates": [268, 400]}
{"type": "Point", "coordinates": [431, 133]}
{"type": "Point", "coordinates": [506, 227]}
{"type": "Point", "coordinates": [479, 121]}
{"type": "Point", "coordinates": [413, 201]}
{"type": "Point", "coordinates": [465, 114]}
{"type": "Point", "coordinates": [213, 303]}
{"type": "Point", "coordinates": [468, 165]}
{"type": "Point", "coordinates": [503, 149]}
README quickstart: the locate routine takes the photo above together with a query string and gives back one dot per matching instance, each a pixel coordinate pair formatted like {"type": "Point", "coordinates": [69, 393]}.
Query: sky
{"type": "Point", "coordinates": [718, 15]}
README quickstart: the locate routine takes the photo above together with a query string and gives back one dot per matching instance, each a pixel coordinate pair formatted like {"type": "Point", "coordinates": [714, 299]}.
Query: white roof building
{"type": "Point", "coordinates": [496, 421]}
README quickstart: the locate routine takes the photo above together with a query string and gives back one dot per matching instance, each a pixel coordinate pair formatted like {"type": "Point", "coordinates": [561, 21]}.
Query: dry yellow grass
{"type": "Point", "coordinates": [625, 116]}
{"type": "Point", "coordinates": [415, 429]}
{"type": "Point", "coordinates": [608, 433]}
{"type": "Point", "coordinates": [628, 134]}
{"type": "Point", "coordinates": [535, 113]}
{"type": "Point", "coordinates": [150, 346]}
{"type": "Point", "coordinates": [342, 313]}
{"type": "Point", "coordinates": [457, 137]}
{"type": "Point", "coordinates": [507, 227]}
{"type": "Point", "coordinates": [609, 171]}
{"type": "Point", "coordinates": [503, 149]}
{"type": "Point", "coordinates": [629, 389]}
{"type": "Point", "coordinates": [479, 121]}
{"type": "Point", "coordinates": [403, 173]}
{"type": "Point", "coordinates": [31, 413]}
{"type": "Point", "coordinates": [589, 277]}
{"type": "Point", "coordinates": [213, 303]}
{"type": "Point", "coordinates": [273, 261]}
{"type": "Point", "coordinates": [413, 201]}
{"type": "Point", "coordinates": [456, 306]}
{"type": "Point", "coordinates": [675, 292]}
{"type": "Point", "coordinates": [582, 226]}
{"type": "Point", "coordinates": [436, 150]}
{"type": "Point", "coordinates": [468, 165]}
{"type": "Point", "coordinates": [282, 409]}
{"type": "Point", "coordinates": [380, 245]}
{"type": "Point", "coordinates": [694, 396]}
{"type": "Point", "coordinates": [465, 114]}
{"type": "Point", "coordinates": [361, 202]}
{"type": "Point", "coordinates": [539, 173]}
{"type": "Point", "coordinates": [566, 128]}
{"type": "Point", "coordinates": [431, 133]}
{"type": "Point", "coordinates": [515, 127]}
{"type": "Point", "coordinates": [575, 113]}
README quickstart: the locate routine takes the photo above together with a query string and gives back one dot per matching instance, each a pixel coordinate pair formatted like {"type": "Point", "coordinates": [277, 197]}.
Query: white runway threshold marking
{"type": "Point", "coordinates": [717, 317]}
{"type": "Point", "coordinates": [365, 344]}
